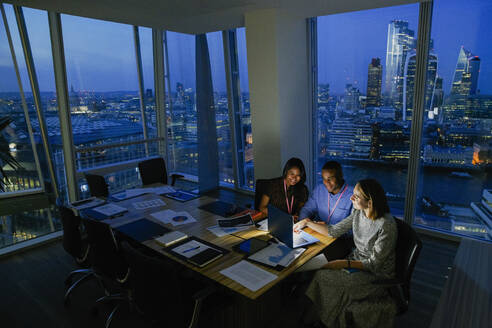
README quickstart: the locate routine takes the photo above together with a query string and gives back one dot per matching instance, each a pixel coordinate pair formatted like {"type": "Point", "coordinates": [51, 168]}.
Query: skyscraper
{"type": "Point", "coordinates": [409, 84]}
{"type": "Point", "coordinates": [374, 76]}
{"type": "Point", "coordinates": [465, 77]}
{"type": "Point", "coordinates": [351, 98]}
{"type": "Point", "coordinates": [400, 41]}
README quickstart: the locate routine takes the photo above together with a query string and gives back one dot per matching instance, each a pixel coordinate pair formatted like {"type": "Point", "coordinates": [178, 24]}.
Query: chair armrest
{"type": "Point", "coordinates": [174, 177]}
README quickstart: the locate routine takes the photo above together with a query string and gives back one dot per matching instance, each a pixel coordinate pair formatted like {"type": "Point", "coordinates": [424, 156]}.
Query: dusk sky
{"type": "Point", "coordinates": [101, 57]}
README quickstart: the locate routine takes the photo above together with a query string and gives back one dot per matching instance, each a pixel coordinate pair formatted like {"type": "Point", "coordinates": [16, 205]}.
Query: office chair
{"type": "Point", "coordinates": [261, 188]}
{"type": "Point", "coordinates": [159, 292]}
{"type": "Point", "coordinates": [154, 171]}
{"type": "Point", "coordinates": [408, 246]}
{"type": "Point", "coordinates": [108, 264]}
{"type": "Point", "coordinates": [77, 247]}
{"type": "Point", "coordinates": [97, 185]}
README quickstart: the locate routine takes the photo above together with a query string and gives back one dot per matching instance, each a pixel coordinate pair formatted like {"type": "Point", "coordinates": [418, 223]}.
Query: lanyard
{"type": "Point", "coordinates": [289, 208]}
{"type": "Point", "coordinates": [336, 204]}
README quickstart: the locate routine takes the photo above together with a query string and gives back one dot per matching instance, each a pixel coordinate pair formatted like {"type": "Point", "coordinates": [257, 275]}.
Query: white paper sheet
{"type": "Point", "coordinates": [129, 193]}
{"type": "Point", "coordinates": [110, 209]}
{"type": "Point", "coordinates": [164, 216]}
{"type": "Point", "coordinates": [174, 218]}
{"type": "Point", "coordinates": [221, 231]}
{"type": "Point", "coordinates": [149, 204]}
{"type": "Point", "coordinates": [249, 275]}
{"type": "Point", "coordinates": [190, 248]}
{"type": "Point", "coordinates": [277, 254]}
{"type": "Point", "coordinates": [162, 190]}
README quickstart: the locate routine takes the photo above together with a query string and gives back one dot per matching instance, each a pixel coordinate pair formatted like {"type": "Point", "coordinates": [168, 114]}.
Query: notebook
{"type": "Point", "coordinates": [170, 238]}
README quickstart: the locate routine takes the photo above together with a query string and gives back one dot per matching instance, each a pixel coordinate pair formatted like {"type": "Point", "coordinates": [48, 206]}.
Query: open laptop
{"type": "Point", "coordinates": [281, 226]}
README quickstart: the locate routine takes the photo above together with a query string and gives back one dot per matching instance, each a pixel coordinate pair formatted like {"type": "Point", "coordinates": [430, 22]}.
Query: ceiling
{"type": "Point", "coordinates": [196, 16]}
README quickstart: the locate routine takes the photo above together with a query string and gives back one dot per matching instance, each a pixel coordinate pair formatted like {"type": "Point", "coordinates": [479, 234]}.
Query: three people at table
{"type": "Point", "coordinates": [332, 290]}
{"type": "Point", "coordinates": [288, 192]}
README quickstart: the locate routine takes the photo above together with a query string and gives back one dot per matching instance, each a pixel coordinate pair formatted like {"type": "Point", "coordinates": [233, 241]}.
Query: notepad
{"type": "Point", "coordinates": [170, 238]}
{"type": "Point", "coordinates": [205, 257]}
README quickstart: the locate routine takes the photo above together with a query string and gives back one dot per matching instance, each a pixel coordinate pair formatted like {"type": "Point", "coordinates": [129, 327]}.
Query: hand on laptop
{"type": "Point", "coordinates": [301, 224]}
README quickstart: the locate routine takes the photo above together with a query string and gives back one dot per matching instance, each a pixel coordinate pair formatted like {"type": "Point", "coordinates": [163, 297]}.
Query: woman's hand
{"type": "Point", "coordinates": [301, 224]}
{"type": "Point", "coordinates": [335, 265]}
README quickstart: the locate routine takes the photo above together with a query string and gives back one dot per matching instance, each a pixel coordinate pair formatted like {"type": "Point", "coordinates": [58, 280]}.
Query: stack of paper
{"type": "Point", "coordinates": [277, 255]}
{"type": "Point", "coordinates": [170, 238]}
{"type": "Point", "coordinates": [172, 217]}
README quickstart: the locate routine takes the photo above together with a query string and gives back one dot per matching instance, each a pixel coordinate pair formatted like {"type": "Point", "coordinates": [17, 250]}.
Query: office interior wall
{"type": "Point", "coordinates": [279, 90]}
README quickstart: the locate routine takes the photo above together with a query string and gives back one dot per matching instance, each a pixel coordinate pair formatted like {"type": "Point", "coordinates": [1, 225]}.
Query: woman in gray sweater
{"type": "Point", "coordinates": [332, 289]}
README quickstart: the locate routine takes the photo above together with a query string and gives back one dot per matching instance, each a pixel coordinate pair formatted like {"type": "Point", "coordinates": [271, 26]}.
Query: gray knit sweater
{"type": "Point", "coordinates": [375, 241]}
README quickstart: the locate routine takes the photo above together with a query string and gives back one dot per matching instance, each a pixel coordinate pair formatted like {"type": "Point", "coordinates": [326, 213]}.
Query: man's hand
{"type": "Point", "coordinates": [301, 224]}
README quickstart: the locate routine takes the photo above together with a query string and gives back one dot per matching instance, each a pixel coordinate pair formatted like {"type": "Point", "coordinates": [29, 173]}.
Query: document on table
{"type": "Point", "coordinates": [174, 218]}
{"type": "Point", "coordinates": [110, 209]}
{"type": "Point", "coordinates": [277, 254]}
{"type": "Point", "coordinates": [149, 204]}
{"type": "Point", "coordinates": [249, 275]}
{"type": "Point", "coordinates": [223, 231]}
{"type": "Point", "coordinates": [130, 193]}
{"type": "Point", "coordinates": [161, 190]}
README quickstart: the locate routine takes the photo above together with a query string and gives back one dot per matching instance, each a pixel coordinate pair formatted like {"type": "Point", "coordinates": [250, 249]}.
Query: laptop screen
{"type": "Point", "coordinates": [281, 225]}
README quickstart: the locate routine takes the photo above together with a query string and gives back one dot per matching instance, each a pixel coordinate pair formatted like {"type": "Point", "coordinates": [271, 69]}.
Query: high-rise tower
{"type": "Point", "coordinates": [374, 76]}
{"type": "Point", "coordinates": [465, 79]}
{"type": "Point", "coordinates": [409, 84]}
{"type": "Point", "coordinates": [400, 41]}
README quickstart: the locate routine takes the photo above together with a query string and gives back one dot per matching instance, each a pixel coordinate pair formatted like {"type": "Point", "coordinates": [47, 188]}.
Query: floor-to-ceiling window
{"type": "Point", "coordinates": [361, 63]}
{"type": "Point", "coordinates": [366, 92]}
{"type": "Point", "coordinates": [247, 165]}
{"type": "Point", "coordinates": [455, 183]}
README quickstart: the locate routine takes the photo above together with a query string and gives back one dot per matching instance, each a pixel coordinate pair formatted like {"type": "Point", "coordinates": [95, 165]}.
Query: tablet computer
{"type": "Point", "coordinates": [250, 246]}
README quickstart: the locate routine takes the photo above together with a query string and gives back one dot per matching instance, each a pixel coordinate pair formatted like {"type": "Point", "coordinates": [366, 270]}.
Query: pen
{"type": "Point", "coordinates": [191, 249]}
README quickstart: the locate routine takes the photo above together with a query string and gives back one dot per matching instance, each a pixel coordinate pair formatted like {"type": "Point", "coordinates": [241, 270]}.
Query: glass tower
{"type": "Point", "coordinates": [374, 76]}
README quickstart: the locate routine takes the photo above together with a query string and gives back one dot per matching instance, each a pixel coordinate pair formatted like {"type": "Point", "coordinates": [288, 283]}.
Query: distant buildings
{"type": "Point", "coordinates": [400, 41]}
{"type": "Point", "coordinates": [374, 81]}
{"type": "Point", "coordinates": [465, 77]}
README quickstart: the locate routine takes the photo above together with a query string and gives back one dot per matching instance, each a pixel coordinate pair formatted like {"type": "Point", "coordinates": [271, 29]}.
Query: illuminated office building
{"type": "Point", "coordinates": [374, 80]}
{"type": "Point", "coordinates": [465, 79]}
{"type": "Point", "coordinates": [409, 84]}
{"type": "Point", "coordinates": [400, 41]}
{"type": "Point", "coordinates": [351, 98]}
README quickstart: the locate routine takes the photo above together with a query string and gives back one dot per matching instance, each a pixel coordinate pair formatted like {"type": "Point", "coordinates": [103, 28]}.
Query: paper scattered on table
{"type": "Point", "coordinates": [110, 209]}
{"type": "Point", "coordinates": [262, 225]}
{"type": "Point", "coordinates": [172, 217]}
{"type": "Point", "coordinates": [249, 275]}
{"type": "Point", "coordinates": [277, 254]}
{"type": "Point", "coordinates": [223, 231]}
{"type": "Point", "coordinates": [161, 190]}
{"type": "Point", "coordinates": [130, 193]}
{"type": "Point", "coordinates": [149, 204]}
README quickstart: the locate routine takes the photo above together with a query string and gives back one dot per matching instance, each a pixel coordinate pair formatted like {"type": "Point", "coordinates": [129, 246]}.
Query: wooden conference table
{"type": "Point", "coordinates": [198, 229]}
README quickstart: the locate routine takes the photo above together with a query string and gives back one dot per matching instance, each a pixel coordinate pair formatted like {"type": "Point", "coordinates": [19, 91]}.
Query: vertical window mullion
{"type": "Point", "coordinates": [425, 19]}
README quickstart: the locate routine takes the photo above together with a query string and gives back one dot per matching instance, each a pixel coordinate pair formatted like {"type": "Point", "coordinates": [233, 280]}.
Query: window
{"type": "Point", "coordinates": [247, 164]}
{"type": "Point", "coordinates": [182, 116]}
{"type": "Point", "coordinates": [362, 57]}
{"type": "Point", "coordinates": [103, 92]}
{"type": "Point", "coordinates": [15, 138]}
{"type": "Point", "coordinates": [216, 51]}
{"type": "Point", "coordinates": [455, 185]}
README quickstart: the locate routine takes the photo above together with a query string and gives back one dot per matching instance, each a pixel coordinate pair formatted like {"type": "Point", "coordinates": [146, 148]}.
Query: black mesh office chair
{"type": "Point", "coordinates": [108, 263]}
{"type": "Point", "coordinates": [154, 171]}
{"type": "Point", "coordinates": [261, 188]}
{"type": "Point", "coordinates": [159, 291]}
{"type": "Point", "coordinates": [77, 247]}
{"type": "Point", "coordinates": [408, 248]}
{"type": "Point", "coordinates": [97, 185]}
